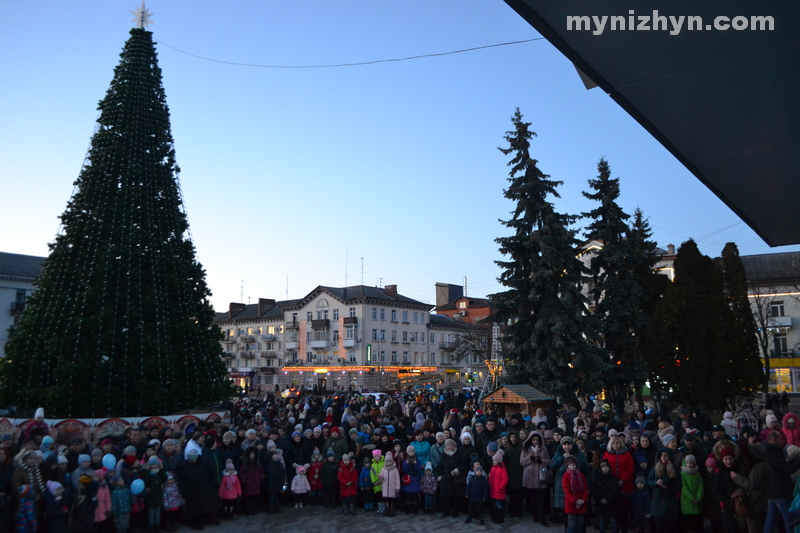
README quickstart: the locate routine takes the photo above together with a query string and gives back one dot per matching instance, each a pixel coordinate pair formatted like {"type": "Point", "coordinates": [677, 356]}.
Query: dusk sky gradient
{"type": "Point", "coordinates": [303, 172]}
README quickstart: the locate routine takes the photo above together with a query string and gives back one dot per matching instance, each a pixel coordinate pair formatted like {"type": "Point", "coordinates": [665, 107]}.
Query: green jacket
{"type": "Point", "coordinates": [375, 474]}
{"type": "Point", "coordinates": [338, 445]}
{"type": "Point", "coordinates": [692, 489]}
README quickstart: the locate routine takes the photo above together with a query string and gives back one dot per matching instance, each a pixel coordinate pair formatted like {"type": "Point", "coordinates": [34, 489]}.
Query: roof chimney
{"type": "Point", "coordinates": [391, 290]}
{"type": "Point", "coordinates": [446, 293]}
{"type": "Point", "coordinates": [264, 304]}
{"type": "Point", "coordinates": [671, 249]}
{"type": "Point", "coordinates": [234, 309]}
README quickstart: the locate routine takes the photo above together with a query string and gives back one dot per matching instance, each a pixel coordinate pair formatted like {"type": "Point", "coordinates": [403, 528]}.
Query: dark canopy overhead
{"type": "Point", "coordinates": [726, 103]}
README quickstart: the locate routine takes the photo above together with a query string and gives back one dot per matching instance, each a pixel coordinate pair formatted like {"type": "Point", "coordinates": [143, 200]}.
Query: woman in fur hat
{"type": "Point", "coordinates": [728, 457]}
{"type": "Point", "coordinates": [535, 462]}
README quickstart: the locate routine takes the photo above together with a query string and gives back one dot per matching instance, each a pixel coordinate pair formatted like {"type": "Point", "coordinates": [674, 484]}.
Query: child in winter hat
{"type": "Point", "coordinates": [428, 486]}
{"type": "Point", "coordinates": [300, 485]}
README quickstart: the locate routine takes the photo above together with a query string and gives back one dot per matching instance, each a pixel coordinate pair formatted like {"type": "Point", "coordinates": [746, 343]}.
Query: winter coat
{"type": "Point", "coordinates": [121, 500]}
{"type": "Point", "coordinates": [338, 445]}
{"type": "Point", "coordinates": [315, 475]}
{"type": "Point", "coordinates": [300, 485]}
{"type": "Point", "coordinates": [791, 436]}
{"type": "Point", "coordinates": [390, 481]}
{"type": "Point", "coordinates": [729, 424]}
{"type": "Point", "coordinates": [691, 489]}
{"type": "Point", "coordinates": [450, 464]}
{"type": "Point", "coordinates": [606, 487]}
{"type": "Point", "coordinates": [25, 518]}
{"type": "Point", "coordinates": [622, 467]}
{"type": "Point", "coordinates": [414, 472]}
{"type": "Point", "coordinates": [428, 484]}
{"type": "Point", "coordinates": [57, 513]}
{"type": "Point", "coordinates": [231, 487]}
{"type": "Point", "coordinates": [364, 480]}
{"type": "Point", "coordinates": [781, 470]}
{"type": "Point", "coordinates": [348, 479]}
{"type": "Point", "coordinates": [756, 484]}
{"type": "Point", "coordinates": [640, 502]}
{"type": "Point", "coordinates": [571, 498]}
{"type": "Point", "coordinates": [559, 468]}
{"type": "Point", "coordinates": [498, 481]}
{"type": "Point", "coordinates": [533, 461]}
{"type": "Point", "coordinates": [173, 499]}
{"type": "Point", "coordinates": [276, 476]}
{"type": "Point", "coordinates": [511, 459]}
{"type": "Point", "coordinates": [86, 503]}
{"type": "Point", "coordinates": [423, 449]}
{"type": "Point", "coordinates": [437, 451]}
{"type": "Point", "coordinates": [197, 481]}
{"type": "Point", "coordinates": [330, 473]}
{"type": "Point", "coordinates": [250, 476]}
{"type": "Point", "coordinates": [375, 473]}
{"type": "Point", "coordinates": [103, 510]}
{"type": "Point", "coordinates": [232, 452]}
{"type": "Point", "coordinates": [666, 501]}
{"type": "Point", "coordinates": [154, 497]}
{"type": "Point", "coordinates": [477, 489]}
{"type": "Point", "coordinates": [170, 462]}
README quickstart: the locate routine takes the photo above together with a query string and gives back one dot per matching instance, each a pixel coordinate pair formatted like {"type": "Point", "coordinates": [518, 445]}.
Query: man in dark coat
{"type": "Point", "coordinates": [197, 477]}
{"type": "Point", "coordinates": [779, 494]}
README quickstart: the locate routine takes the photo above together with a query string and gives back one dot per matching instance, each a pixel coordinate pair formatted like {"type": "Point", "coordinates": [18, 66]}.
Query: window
{"type": "Point", "coordinates": [269, 362]}
{"type": "Point", "coordinates": [260, 330]}
{"type": "Point", "coordinates": [394, 335]}
{"type": "Point", "coordinates": [405, 357]}
{"type": "Point", "coordinates": [230, 333]}
{"type": "Point", "coordinates": [352, 312]}
{"type": "Point", "coordinates": [383, 314]}
{"type": "Point", "coordinates": [413, 336]}
{"type": "Point", "coordinates": [781, 346]}
{"type": "Point", "coordinates": [351, 356]}
{"type": "Point", "coordinates": [383, 335]}
{"type": "Point", "coordinates": [394, 357]}
{"type": "Point", "coordinates": [322, 314]}
{"type": "Point", "coordinates": [415, 317]}
{"type": "Point", "coordinates": [405, 336]}
{"type": "Point", "coordinates": [268, 380]}
{"type": "Point", "coordinates": [271, 330]}
{"type": "Point", "coordinates": [433, 357]}
{"type": "Point", "coordinates": [374, 334]}
{"type": "Point", "coordinates": [350, 331]}
{"type": "Point", "coordinates": [336, 314]}
{"type": "Point", "coordinates": [422, 336]}
{"type": "Point", "coordinates": [309, 316]}
{"type": "Point", "coordinates": [432, 338]}
{"type": "Point", "coordinates": [394, 315]}
{"type": "Point", "coordinates": [776, 308]}
{"type": "Point", "coordinates": [309, 356]}
{"type": "Point", "coordinates": [249, 331]}
{"type": "Point", "coordinates": [241, 331]}
{"type": "Point", "coordinates": [374, 313]}
{"type": "Point", "coordinates": [462, 305]}
{"type": "Point", "coordinates": [422, 318]}
{"type": "Point", "coordinates": [383, 356]}
{"type": "Point", "coordinates": [405, 317]}
{"type": "Point", "coordinates": [336, 335]}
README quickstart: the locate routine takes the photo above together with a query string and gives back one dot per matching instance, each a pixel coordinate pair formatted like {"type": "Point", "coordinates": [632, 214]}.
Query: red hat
{"type": "Point", "coordinates": [454, 411]}
{"type": "Point", "coordinates": [724, 452]}
{"type": "Point", "coordinates": [479, 412]}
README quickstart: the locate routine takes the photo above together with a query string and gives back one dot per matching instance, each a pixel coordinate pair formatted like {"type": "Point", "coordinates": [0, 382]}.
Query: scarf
{"type": "Point", "coordinates": [577, 483]}
{"type": "Point", "coordinates": [690, 471]}
{"type": "Point", "coordinates": [35, 475]}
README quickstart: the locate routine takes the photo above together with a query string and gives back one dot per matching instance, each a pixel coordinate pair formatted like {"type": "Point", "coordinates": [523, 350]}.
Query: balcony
{"type": "Point", "coordinates": [268, 337]}
{"type": "Point", "coordinates": [292, 345]}
{"type": "Point", "coordinates": [318, 345]}
{"type": "Point", "coordinates": [17, 308]}
{"type": "Point", "coordinates": [294, 324]}
{"type": "Point", "coordinates": [270, 354]}
{"type": "Point", "coordinates": [230, 340]}
{"type": "Point", "coordinates": [248, 338]}
{"type": "Point", "coordinates": [448, 345]}
{"type": "Point", "coordinates": [268, 369]}
{"type": "Point", "coordinates": [779, 322]}
{"type": "Point", "coordinates": [247, 355]}
{"type": "Point", "coordinates": [350, 343]}
{"type": "Point", "coordinates": [348, 320]}
{"type": "Point", "coordinates": [228, 355]}
{"type": "Point", "coordinates": [322, 323]}
{"type": "Point", "coordinates": [782, 353]}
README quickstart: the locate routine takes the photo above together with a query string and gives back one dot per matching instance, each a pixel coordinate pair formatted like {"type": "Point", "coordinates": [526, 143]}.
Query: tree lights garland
{"type": "Point", "coordinates": [121, 300]}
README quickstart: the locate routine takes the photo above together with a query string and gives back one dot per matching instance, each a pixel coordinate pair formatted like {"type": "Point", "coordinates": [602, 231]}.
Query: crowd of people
{"type": "Point", "coordinates": [420, 452]}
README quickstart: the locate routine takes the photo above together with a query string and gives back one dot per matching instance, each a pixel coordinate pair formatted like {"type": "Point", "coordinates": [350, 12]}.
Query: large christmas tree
{"type": "Point", "coordinates": [120, 323]}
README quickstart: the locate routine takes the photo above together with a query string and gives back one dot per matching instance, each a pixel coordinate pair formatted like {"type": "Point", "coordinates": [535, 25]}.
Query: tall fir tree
{"type": "Point", "coordinates": [120, 323]}
{"type": "Point", "coordinates": [616, 292]}
{"type": "Point", "coordinates": [686, 339]}
{"type": "Point", "coordinates": [745, 371]}
{"type": "Point", "coordinates": [548, 329]}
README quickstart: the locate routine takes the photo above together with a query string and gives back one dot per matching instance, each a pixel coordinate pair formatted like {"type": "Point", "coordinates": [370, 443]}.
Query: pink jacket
{"type": "Point", "coordinates": [390, 482]}
{"type": "Point", "coordinates": [230, 488]}
{"type": "Point", "coordinates": [791, 435]}
{"type": "Point", "coordinates": [103, 510]}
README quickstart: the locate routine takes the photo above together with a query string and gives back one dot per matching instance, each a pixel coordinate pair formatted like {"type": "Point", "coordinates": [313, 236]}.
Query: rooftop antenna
{"type": "Point", "coordinates": [362, 270]}
{"type": "Point", "coordinates": [287, 286]}
{"type": "Point", "coordinates": [346, 259]}
{"type": "Point", "coordinates": [241, 294]}
{"type": "Point", "coordinates": [465, 285]}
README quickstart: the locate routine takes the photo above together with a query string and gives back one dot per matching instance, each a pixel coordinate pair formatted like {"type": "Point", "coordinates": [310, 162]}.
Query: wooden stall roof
{"type": "Point", "coordinates": [516, 394]}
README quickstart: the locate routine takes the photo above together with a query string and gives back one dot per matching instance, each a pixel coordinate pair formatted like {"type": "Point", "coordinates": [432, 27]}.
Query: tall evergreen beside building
{"type": "Point", "coordinates": [548, 333]}
{"type": "Point", "coordinates": [120, 323]}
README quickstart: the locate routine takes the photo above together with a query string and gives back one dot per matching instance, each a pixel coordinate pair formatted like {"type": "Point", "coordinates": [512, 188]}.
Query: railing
{"type": "Point", "coordinates": [448, 345]}
{"type": "Point", "coordinates": [789, 352]}
{"type": "Point", "coordinates": [295, 324]}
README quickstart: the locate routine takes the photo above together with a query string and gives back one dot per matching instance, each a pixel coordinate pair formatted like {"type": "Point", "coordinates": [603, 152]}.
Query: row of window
{"type": "Point", "coordinates": [253, 346]}
{"type": "Point", "coordinates": [270, 330]}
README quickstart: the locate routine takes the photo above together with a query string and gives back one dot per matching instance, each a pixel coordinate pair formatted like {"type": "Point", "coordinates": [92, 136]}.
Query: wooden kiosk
{"type": "Point", "coordinates": [512, 399]}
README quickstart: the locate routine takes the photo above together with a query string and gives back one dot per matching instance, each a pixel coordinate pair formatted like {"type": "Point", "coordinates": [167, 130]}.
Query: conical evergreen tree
{"type": "Point", "coordinates": [120, 323]}
{"type": "Point", "coordinates": [745, 371]}
{"type": "Point", "coordinates": [548, 329]}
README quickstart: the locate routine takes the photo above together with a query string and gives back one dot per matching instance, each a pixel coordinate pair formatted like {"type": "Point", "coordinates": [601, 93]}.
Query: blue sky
{"type": "Point", "coordinates": [300, 173]}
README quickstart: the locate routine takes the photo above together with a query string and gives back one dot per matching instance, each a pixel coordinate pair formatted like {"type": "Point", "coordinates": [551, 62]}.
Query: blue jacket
{"type": "Point", "coordinates": [423, 449]}
{"type": "Point", "coordinates": [414, 471]}
{"type": "Point", "coordinates": [364, 481]}
{"type": "Point", "coordinates": [477, 488]}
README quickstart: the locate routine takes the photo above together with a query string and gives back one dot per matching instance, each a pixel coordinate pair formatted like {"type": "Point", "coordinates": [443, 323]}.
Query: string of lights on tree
{"type": "Point", "coordinates": [120, 323]}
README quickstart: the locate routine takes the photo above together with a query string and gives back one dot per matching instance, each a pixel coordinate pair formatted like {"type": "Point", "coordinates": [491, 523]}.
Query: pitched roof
{"type": "Point", "coordinates": [20, 267]}
{"type": "Point", "coordinates": [777, 269]}
{"type": "Point", "coordinates": [250, 312]}
{"type": "Point", "coordinates": [528, 392]}
{"type": "Point", "coordinates": [471, 303]}
{"type": "Point", "coordinates": [362, 292]}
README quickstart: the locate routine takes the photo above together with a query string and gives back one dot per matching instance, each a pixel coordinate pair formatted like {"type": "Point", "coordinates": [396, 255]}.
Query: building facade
{"type": "Point", "coordinates": [17, 274]}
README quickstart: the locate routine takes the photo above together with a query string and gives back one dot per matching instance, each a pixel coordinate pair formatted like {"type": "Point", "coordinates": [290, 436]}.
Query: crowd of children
{"type": "Point", "coordinates": [411, 454]}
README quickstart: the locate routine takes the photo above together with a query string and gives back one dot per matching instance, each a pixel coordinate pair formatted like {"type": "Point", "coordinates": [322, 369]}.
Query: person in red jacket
{"type": "Point", "coordinates": [576, 494]}
{"type": "Point", "coordinates": [621, 462]}
{"type": "Point", "coordinates": [791, 429]}
{"type": "Point", "coordinates": [348, 484]}
{"type": "Point", "coordinates": [498, 481]}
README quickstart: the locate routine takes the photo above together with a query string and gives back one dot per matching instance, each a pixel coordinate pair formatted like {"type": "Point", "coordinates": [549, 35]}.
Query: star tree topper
{"type": "Point", "coordinates": [142, 15]}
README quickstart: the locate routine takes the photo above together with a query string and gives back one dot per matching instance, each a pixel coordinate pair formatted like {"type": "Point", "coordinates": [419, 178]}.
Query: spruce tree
{"type": "Point", "coordinates": [745, 372]}
{"type": "Point", "coordinates": [686, 344]}
{"type": "Point", "coordinates": [120, 323]}
{"type": "Point", "coordinates": [548, 333]}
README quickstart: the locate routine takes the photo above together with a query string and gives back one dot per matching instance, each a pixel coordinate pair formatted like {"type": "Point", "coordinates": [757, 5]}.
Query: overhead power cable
{"type": "Point", "coordinates": [352, 64]}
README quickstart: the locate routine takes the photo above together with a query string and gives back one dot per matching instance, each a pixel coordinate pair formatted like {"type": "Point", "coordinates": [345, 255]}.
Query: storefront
{"type": "Point", "coordinates": [337, 378]}
{"type": "Point", "coordinates": [784, 374]}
